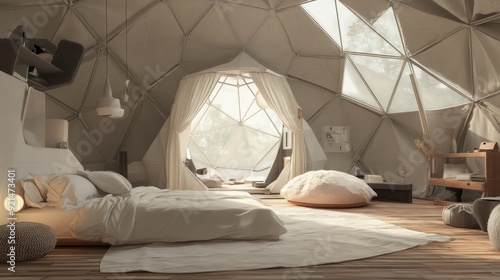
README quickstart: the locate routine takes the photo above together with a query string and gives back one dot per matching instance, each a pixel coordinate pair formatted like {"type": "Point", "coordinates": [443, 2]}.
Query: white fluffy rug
{"type": "Point", "coordinates": [314, 237]}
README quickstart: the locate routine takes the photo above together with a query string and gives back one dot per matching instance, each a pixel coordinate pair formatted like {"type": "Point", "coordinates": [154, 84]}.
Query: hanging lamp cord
{"type": "Point", "coordinates": [126, 37]}
{"type": "Point", "coordinates": [106, 40]}
{"type": "Point", "coordinates": [125, 94]}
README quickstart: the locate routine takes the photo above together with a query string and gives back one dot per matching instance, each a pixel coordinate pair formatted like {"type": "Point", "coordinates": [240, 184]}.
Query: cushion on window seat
{"type": "Point", "coordinates": [212, 182]}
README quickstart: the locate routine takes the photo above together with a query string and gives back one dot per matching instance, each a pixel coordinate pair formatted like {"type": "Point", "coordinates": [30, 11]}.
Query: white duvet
{"type": "Point", "coordinates": [149, 214]}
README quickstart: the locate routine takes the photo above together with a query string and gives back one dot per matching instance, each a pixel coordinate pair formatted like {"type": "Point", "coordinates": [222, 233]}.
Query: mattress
{"type": "Point", "coordinates": [150, 214]}
{"type": "Point", "coordinates": [57, 218]}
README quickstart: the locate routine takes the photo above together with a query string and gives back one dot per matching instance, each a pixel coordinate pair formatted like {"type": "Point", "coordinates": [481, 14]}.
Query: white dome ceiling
{"type": "Point", "coordinates": [348, 62]}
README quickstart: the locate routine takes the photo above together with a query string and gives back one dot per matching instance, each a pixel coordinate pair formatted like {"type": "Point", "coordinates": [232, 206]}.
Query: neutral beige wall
{"type": "Point", "coordinates": [13, 92]}
{"type": "Point", "coordinates": [14, 152]}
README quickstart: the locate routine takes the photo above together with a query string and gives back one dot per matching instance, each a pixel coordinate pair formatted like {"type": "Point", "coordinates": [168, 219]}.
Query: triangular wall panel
{"type": "Point", "coordinates": [309, 97]}
{"type": "Point", "coordinates": [486, 64]}
{"type": "Point", "coordinates": [157, 32]}
{"type": "Point", "coordinates": [134, 144]}
{"type": "Point", "coordinates": [244, 21]}
{"type": "Point", "coordinates": [38, 22]}
{"type": "Point", "coordinates": [271, 46]}
{"type": "Point", "coordinates": [381, 75]}
{"type": "Point", "coordinates": [189, 12]}
{"type": "Point", "coordinates": [71, 28]}
{"type": "Point", "coordinates": [436, 95]}
{"type": "Point", "coordinates": [404, 97]}
{"type": "Point", "coordinates": [485, 9]}
{"type": "Point", "coordinates": [354, 87]}
{"type": "Point", "coordinates": [357, 36]}
{"type": "Point", "coordinates": [371, 10]}
{"type": "Point", "coordinates": [324, 12]}
{"type": "Point", "coordinates": [320, 71]}
{"type": "Point", "coordinates": [387, 26]}
{"type": "Point", "coordinates": [402, 163]}
{"type": "Point", "coordinates": [430, 28]}
{"type": "Point", "coordinates": [305, 36]}
{"type": "Point", "coordinates": [451, 59]}
{"type": "Point", "coordinates": [483, 126]}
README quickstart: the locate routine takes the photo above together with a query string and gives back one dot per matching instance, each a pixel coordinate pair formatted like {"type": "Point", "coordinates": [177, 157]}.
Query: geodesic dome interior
{"type": "Point", "coordinates": [393, 71]}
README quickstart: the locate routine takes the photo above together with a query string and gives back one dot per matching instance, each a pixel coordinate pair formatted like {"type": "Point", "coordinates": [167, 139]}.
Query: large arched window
{"type": "Point", "coordinates": [235, 133]}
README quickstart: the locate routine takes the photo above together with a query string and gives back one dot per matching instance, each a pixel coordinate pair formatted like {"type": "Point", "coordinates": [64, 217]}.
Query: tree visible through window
{"type": "Point", "coordinates": [232, 134]}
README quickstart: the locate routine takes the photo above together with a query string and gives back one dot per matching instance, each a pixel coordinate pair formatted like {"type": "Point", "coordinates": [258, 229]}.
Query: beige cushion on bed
{"type": "Point", "coordinates": [327, 188]}
{"type": "Point", "coordinates": [67, 190]}
{"type": "Point", "coordinates": [42, 188]}
{"type": "Point", "coordinates": [32, 195]}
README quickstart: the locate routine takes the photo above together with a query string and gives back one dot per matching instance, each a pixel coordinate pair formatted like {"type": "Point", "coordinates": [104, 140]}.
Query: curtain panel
{"type": "Point", "coordinates": [277, 93]}
{"type": "Point", "coordinates": [192, 93]}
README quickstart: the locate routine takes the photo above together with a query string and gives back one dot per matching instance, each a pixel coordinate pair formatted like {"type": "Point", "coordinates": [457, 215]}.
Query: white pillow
{"type": "Point", "coordinates": [108, 181]}
{"type": "Point", "coordinates": [67, 190]}
{"type": "Point", "coordinates": [32, 195]}
{"type": "Point", "coordinates": [327, 188]}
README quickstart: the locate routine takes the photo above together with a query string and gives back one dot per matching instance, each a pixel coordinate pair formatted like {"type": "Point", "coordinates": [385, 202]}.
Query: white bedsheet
{"type": "Point", "coordinates": [149, 214]}
{"type": "Point", "coordinates": [57, 218]}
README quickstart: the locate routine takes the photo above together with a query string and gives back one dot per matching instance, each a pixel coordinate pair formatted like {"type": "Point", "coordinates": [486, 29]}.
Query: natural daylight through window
{"type": "Point", "coordinates": [233, 135]}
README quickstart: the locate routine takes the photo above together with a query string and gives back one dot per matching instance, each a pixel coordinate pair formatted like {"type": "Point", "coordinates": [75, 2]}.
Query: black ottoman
{"type": "Point", "coordinates": [482, 207]}
{"type": "Point", "coordinates": [32, 241]}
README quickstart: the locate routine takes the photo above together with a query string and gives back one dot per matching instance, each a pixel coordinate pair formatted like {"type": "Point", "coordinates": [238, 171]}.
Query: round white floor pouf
{"type": "Point", "coordinates": [494, 227]}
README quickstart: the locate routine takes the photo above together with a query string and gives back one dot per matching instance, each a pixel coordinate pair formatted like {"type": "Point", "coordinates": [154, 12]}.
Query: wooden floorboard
{"type": "Point", "coordinates": [469, 256]}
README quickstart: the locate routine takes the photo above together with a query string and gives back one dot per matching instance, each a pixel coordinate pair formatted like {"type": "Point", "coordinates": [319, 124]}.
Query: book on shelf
{"type": "Point", "coordinates": [464, 176]}
{"type": "Point", "coordinates": [470, 177]}
{"type": "Point", "coordinates": [477, 178]}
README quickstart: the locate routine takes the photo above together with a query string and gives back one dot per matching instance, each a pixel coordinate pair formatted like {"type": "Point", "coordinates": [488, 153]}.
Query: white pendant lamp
{"type": "Point", "coordinates": [107, 105]}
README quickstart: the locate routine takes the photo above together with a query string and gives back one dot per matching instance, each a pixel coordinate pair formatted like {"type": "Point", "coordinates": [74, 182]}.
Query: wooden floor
{"type": "Point", "coordinates": [469, 256]}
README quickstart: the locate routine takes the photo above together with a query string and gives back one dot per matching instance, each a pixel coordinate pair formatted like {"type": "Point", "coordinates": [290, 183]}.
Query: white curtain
{"type": "Point", "coordinates": [279, 97]}
{"type": "Point", "coordinates": [315, 156]}
{"type": "Point", "coordinates": [191, 95]}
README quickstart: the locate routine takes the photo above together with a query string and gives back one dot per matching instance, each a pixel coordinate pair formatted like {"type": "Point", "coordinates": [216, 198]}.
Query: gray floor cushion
{"type": "Point", "coordinates": [482, 207]}
{"type": "Point", "coordinates": [459, 215]}
{"type": "Point", "coordinates": [32, 241]}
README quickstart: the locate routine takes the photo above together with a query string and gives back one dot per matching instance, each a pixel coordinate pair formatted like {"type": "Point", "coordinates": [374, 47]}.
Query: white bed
{"type": "Point", "coordinates": [103, 207]}
{"type": "Point", "coordinates": [149, 215]}
{"type": "Point", "coordinates": [55, 193]}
